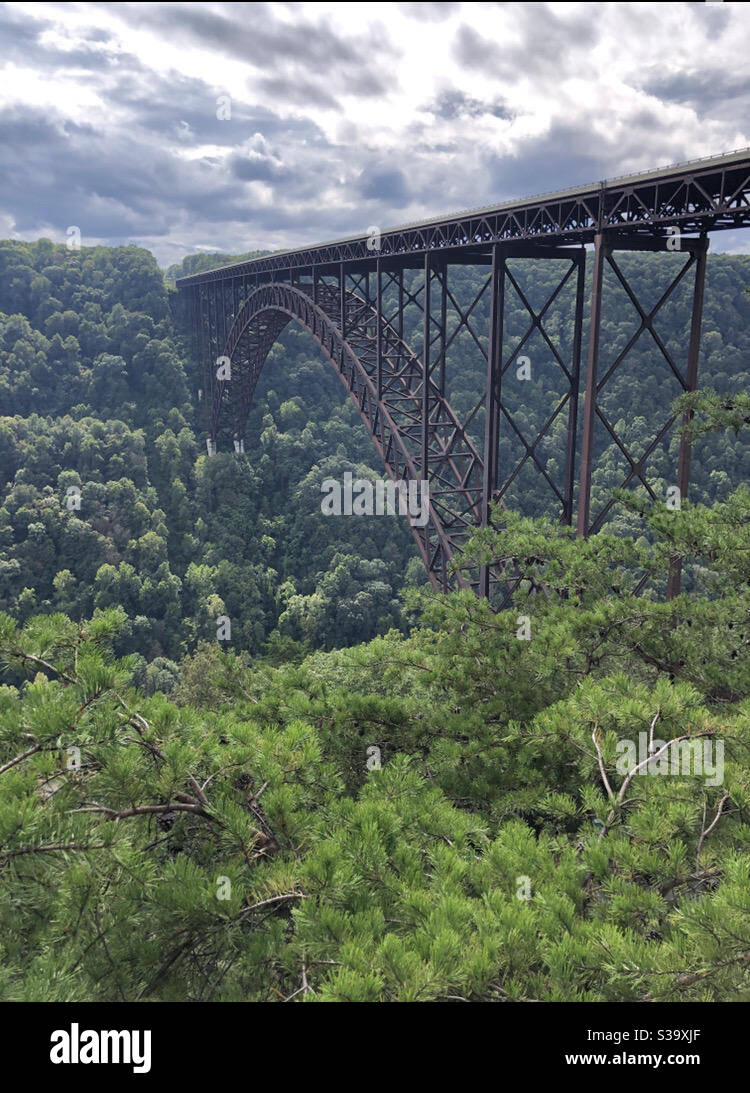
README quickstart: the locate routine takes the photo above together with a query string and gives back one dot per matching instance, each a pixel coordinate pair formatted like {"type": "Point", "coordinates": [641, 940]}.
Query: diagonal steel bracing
{"type": "Point", "coordinates": [392, 320]}
{"type": "Point", "coordinates": [399, 392]}
{"type": "Point", "coordinates": [694, 263]}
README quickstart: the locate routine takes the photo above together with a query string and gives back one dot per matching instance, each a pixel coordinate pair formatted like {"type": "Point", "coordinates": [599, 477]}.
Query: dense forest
{"type": "Point", "coordinates": [371, 792]}
{"type": "Point", "coordinates": [88, 351]}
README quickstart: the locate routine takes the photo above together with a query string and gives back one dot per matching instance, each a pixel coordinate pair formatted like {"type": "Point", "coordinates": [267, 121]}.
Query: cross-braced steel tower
{"type": "Point", "coordinates": [385, 309]}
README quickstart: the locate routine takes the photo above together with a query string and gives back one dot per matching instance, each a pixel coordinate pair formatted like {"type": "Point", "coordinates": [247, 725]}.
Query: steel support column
{"type": "Point", "coordinates": [443, 327]}
{"type": "Point", "coordinates": [570, 446]}
{"type": "Point", "coordinates": [587, 451]}
{"type": "Point", "coordinates": [694, 250]}
{"type": "Point", "coordinates": [379, 327]}
{"type": "Point", "coordinates": [204, 306]}
{"type": "Point", "coordinates": [426, 370]}
{"type": "Point", "coordinates": [342, 299]}
{"type": "Point", "coordinates": [691, 378]}
{"type": "Point", "coordinates": [492, 397]}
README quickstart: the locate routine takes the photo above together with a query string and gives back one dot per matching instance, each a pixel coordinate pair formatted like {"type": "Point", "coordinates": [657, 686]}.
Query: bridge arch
{"type": "Point", "coordinates": [396, 394]}
{"type": "Point", "coordinates": [388, 403]}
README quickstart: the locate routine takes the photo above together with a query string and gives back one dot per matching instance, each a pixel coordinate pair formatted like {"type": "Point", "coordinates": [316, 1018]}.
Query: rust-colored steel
{"type": "Point", "coordinates": [587, 455]}
{"type": "Point", "coordinates": [694, 250]}
{"type": "Point", "coordinates": [274, 305]}
{"type": "Point", "coordinates": [690, 384]}
{"type": "Point", "coordinates": [355, 302]}
{"type": "Point", "coordinates": [711, 194]}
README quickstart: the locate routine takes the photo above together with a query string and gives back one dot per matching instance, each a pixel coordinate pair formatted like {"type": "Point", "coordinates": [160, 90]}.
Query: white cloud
{"type": "Point", "coordinates": [443, 107]}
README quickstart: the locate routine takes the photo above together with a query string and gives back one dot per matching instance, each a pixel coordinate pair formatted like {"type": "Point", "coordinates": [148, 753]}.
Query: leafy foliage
{"type": "Point", "coordinates": [497, 851]}
{"type": "Point", "coordinates": [335, 806]}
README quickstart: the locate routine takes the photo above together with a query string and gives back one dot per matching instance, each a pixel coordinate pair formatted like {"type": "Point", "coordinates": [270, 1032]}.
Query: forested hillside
{"type": "Point", "coordinates": [98, 394]}
{"type": "Point", "coordinates": [340, 804]}
{"type": "Point", "coordinates": [445, 816]}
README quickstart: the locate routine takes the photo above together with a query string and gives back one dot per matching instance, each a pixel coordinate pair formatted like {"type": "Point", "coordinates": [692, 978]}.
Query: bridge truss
{"type": "Point", "coordinates": [387, 309]}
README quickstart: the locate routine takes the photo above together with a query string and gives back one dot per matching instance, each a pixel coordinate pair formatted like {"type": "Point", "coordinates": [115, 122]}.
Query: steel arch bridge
{"type": "Point", "coordinates": [358, 297]}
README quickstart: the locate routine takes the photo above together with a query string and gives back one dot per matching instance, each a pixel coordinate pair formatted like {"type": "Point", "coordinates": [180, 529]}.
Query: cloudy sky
{"type": "Point", "coordinates": [113, 116]}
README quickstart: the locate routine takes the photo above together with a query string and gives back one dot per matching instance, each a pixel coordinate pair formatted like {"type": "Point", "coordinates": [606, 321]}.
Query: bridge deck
{"type": "Point", "coordinates": [711, 194]}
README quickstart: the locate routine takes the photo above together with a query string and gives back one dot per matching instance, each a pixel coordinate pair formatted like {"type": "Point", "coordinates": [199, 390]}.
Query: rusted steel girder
{"type": "Point", "coordinates": [695, 251]}
{"type": "Point", "coordinates": [396, 389]}
{"type": "Point", "coordinates": [361, 302]}
{"type": "Point", "coordinates": [711, 194]}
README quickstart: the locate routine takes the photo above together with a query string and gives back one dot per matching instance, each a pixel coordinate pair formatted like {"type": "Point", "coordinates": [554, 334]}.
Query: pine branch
{"type": "Point", "coordinates": [40, 664]}
{"type": "Point", "coordinates": [707, 830]}
{"type": "Point", "coordinates": [141, 726]}
{"type": "Point", "coordinates": [149, 810]}
{"type": "Point", "coordinates": [300, 990]}
{"type": "Point", "coordinates": [53, 847]}
{"type": "Point", "coordinates": [267, 902]}
{"type": "Point", "coordinates": [600, 760]}
{"type": "Point", "coordinates": [20, 758]}
{"type": "Point", "coordinates": [651, 758]}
